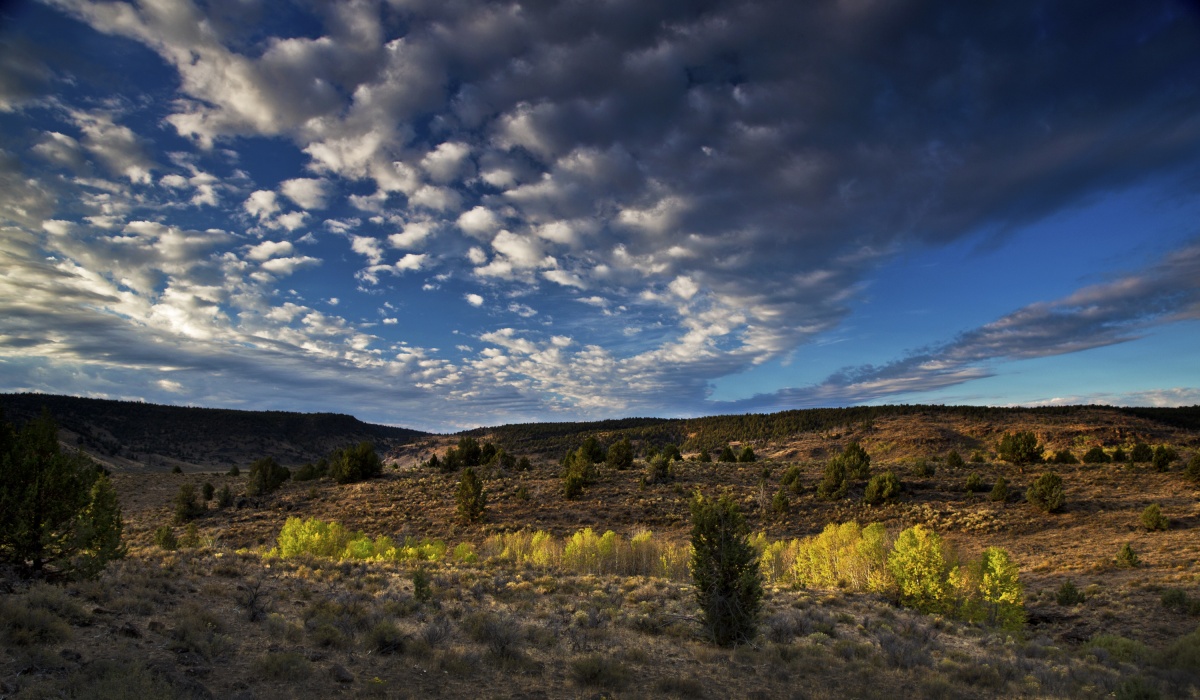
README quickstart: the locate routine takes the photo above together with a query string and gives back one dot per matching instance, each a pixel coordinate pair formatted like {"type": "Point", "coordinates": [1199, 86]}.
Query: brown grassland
{"type": "Point", "coordinates": [221, 619]}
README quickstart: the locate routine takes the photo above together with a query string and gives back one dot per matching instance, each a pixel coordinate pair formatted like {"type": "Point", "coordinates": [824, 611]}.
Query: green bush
{"type": "Point", "coordinates": [1182, 655]}
{"type": "Point", "coordinates": [1096, 455]}
{"type": "Point", "coordinates": [974, 482]}
{"type": "Point", "coordinates": [725, 570]}
{"type": "Point", "coordinates": [620, 455]}
{"type": "Point", "coordinates": [266, 475]}
{"type": "Point", "coordinates": [924, 467]}
{"type": "Point", "coordinates": [422, 585]}
{"type": "Point", "coordinates": [994, 592]}
{"type": "Point", "coordinates": [1046, 492]}
{"type": "Point", "coordinates": [164, 537]}
{"type": "Point", "coordinates": [1153, 519]}
{"type": "Point", "coordinates": [954, 460]}
{"type": "Point", "coordinates": [883, 488]}
{"type": "Point", "coordinates": [207, 491]}
{"type": "Point", "coordinates": [780, 503]}
{"type": "Point", "coordinates": [658, 470]}
{"type": "Point", "coordinates": [1193, 468]}
{"type": "Point", "coordinates": [58, 510]}
{"type": "Point", "coordinates": [234, 471]}
{"type": "Point", "coordinates": [704, 456]}
{"type": "Point", "coordinates": [314, 470]}
{"type": "Point", "coordinates": [1068, 594]}
{"type": "Point", "coordinates": [224, 497]}
{"type": "Point", "coordinates": [1119, 455]}
{"type": "Point", "coordinates": [356, 463]}
{"type": "Point", "coordinates": [186, 505]}
{"type": "Point", "coordinates": [1127, 558]}
{"type": "Point", "coordinates": [1065, 457]}
{"type": "Point", "coordinates": [999, 490]}
{"type": "Point", "coordinates": [598, 671]}
{"type": "Point", "coordinates": [1020, 448]}
{"type": "Point", "coordinates": [835, 482]}
{"type": "Point", "coordinates": [977, 457]}
{"type": "Point", "coordinates": [578, 471]}
{"type": "Point", "coordinates": [1176, 600]}
{"type": "Point", "coordinates": [747, 455]}
{"type": "Point", "coordinates": [385, 638]}
{"type": "Point", "coordinates": [727, 455]}
{"type": "Point", "coordinates": [858, 462]}
{"type": "Point", "coordinates": [1163, 456]}
{"type": "Point", "coordinates": [791, 479]}
{"type": "Point", "coordinates": [1141, 453]}
{"type": "Point", "coordinates": [469, 497]}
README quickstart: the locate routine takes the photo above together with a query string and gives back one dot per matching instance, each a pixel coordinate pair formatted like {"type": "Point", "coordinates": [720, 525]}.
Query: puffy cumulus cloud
{"type": "Point", "coordinates": [262, 204]}
{"type": "Point", "coordinates": [448, 162]}
{"type": "Point", "coordinates": [269, 249]}
{"type": "Point", "coordinates": [480, 222]}
{"type": "Point", "coordinates": [368, 247]}
{"type": "Point", "coordinates": [306, 192]}
{"type": "Point", "coordinates": [413, 236]}
{"type": "Point", "coordinates": [473, 299]}
{"type": "Point", "coordinates": [115, 146]}
{"type": "Point", "coordinates": [409, 262]}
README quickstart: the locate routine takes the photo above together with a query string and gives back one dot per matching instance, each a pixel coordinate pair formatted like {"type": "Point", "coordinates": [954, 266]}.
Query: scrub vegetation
{"type": "Point", "coordinates": [465, 562]}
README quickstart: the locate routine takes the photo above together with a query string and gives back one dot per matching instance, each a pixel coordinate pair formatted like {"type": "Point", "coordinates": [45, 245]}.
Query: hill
{"type": "Point", "coordinates": [137, 436]}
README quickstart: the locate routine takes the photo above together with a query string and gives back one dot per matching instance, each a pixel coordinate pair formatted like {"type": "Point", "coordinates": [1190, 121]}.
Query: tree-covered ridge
{"type": "Point", "coordinates": [133, 429]}
{"type": "Point", "coordinates": [714, 432]}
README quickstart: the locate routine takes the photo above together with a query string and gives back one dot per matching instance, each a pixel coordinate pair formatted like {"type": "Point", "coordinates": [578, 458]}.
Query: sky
{"type": "Point", "coordinates": [443, 214]}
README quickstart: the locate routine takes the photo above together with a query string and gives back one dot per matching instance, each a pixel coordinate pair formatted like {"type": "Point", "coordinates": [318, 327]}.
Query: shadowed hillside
{"type": "Point", "coordinates": [133, 435]}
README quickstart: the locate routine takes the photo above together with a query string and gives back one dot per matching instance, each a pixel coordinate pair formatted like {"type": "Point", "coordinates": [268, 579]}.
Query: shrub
{"type": "Point", "coordinates": [224, 497]}
{"type": "Point", "coordinates": [598, 670]}
{"type": "Point", "coordinates": [671, 453]}
{"type": "Point", "coordinates": [176, 469]}
{"type": "Point", "coordinates": [1064, 457]}
{"type": "Point", "coordinates": [422, 585]}
{"type": "Point", "coordinates": [1141, 453]}
{"type": "Point", "coordinates": [1163, 456]}
{"type": "Point", "coordinates": [835, 483]}
{"type": "Point", "coordinates": [954, 460]}
{"type": "Point", "coordinates": [1153, 519]}
{"type": "Point", "coordinates": [1020, 448]}
{"type": "Point", "coordinates": [1182, 655]}
{"type": "Point", "coordinates": [1193, 468]}
{"type": "Point", "coordinates": [727, 455]}
{"type": "Point", "coordinates": [1175, 599]}
{"type": "Point", "coordinates": [470, 497]}
{"type": "Point", "coordinates": [725, 570]}
{"type": "Point", "coordinates": [316, 470]}
{"type": "Point", "coordinates": [281, 666]}
{"type": "Point", "coordinates": [578, 471]}
{"type": "Point", "coordinates": [164, 537]}
{"type": "Point", "coordinates": [883, 488]}
{"type": "Point", "coordinates": [1127, 558]}
{"type": "Point", "coordinates": [977, 457]}
{"type": "Point", "coordinates": [858, 462]}
{"type": "Point", "coordinates": [191, 537]}
{"type": "Point", "coordinates": [620, 455]}
{"type": "Point", "coordinates": [186, 505]}
{"type": "Point", "coordinates": [1119, 455]}
{"type": "Point", "coordinates": [207, 491]}
{"type": "Point", "coordinates": [923, 467]}
{"type": "Point", "coordinates": [999, 492]}
{"type": "Point", "coordinates": [658, 470]}
{"type": "Point", "coordinates": [356, 463]}
{"type": "Point", "coordinates": [791, 479]}
{"type": "Point", "coordinates": [844, 556]}
{"type": "Point", "coordinates": [266, 475]}
{"type": "Point", "coordinates": [1046, 492]}
{"type": "Point", "coordinates": [1068, 594]}
{"type": "Point", "coordinates": [55, 509]}
{"type": "Point", "coordinates": [386, 638]}
{"type": "Point", "coordinates": [234, 471]}
{"type": "Point", "coordinates": [974, 482]}
{"type": "Point", "coordinates": [1096, 455]}
{"type": "Point", "coordinates": [780, 503]}
{"type": "Point", "coordinates": [704, 456]}
{"type": "Point", "coordinates": [921, 567]}
{"type": "Point", "coordinates": [747, 455]}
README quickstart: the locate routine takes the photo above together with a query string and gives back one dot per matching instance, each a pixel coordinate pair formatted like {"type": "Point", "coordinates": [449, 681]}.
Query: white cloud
{"type": "Point", "coordinates": [270, 249]}
{"type": "Point", "coordinates": [479, 222]}
{"type": "Point", "coordinates": [448, 162]}
{"type": "Point", "coordinates": [286, 266]}
{"type": "Point", "coordinates": [171, 386]}
{"type": "Point", "coordinates": [474, 299]}
{"type": "Point", "coordinates": [442, 199]}
{"type": "Point", "coordinates": [368, 247]}
{"type": "Point", "coordinates": [117, 147]}
{"type": "Point", "coordinates": [522, 310]}
{"type": "Point", "coordinates": [564, 278]}
{"type": "Point", "coordinates": [261, 203]}
{"type": "Point", "coordinates": [413, 235]}
{"type": "Point", "coordinates": [307, 193]}
{"type": "Point", "coordinates": [684, 287]}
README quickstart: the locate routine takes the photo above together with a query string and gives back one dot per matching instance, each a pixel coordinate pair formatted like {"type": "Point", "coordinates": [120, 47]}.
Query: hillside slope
{"type": "Point", "coordinates": [142, 436]}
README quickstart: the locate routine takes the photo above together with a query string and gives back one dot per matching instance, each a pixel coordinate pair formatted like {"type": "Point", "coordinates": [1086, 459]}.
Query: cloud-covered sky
{"type": "Point", "coordinates": [443, 213]}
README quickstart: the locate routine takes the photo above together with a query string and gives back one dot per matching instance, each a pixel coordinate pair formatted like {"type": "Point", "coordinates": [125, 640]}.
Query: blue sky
{"type": "Point", "coordinates": [451, 214]}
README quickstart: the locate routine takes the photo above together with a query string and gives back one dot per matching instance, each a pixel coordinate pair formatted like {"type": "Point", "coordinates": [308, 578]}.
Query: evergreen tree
{"type": "Point", "coordinates": [470, 497]}
{"type": "Point", "coordinates": [359, 463]}
{"type": "Point", "coordinates": [704, 456]}
{"type": "Point", "coordinates": [1095, 455]}
{"type": "Point", "coordinates": [266, 475]}
{"type": "Point", "coordinates": [835, 483]}
{"type": "Point", "coordinates": [857, 461]}
{"type": "Point", "coordinates": [620, 455]}
{"type": "Point", "coordinates": [1046, 492]}
{"type": "Point", "coordinates": [1020, 448]}
{"type": "Point", "coordinates": [747, 455]}
{"type": "Point", "coordinates": [954, 460]}
{"type": "Point", "coordinates": [727, 455]}
{"type": "Point", "coordinates": [1141, 453]}
{"type": "Point", "coordinates": [725, 570]}
{"type": "Point", "coordinates": [882, 488]}
{"type": "Point", "coordinates": [55, 509]}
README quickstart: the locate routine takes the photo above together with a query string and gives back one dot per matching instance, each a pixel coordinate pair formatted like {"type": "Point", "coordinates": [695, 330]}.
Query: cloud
{"type": "Point", "coordinates": [262, 204]}
{"type": "Point", "coordinates": [474, 299]}
{"type": "Point", "coordinates": [371, 248]}
{"type": "Point", "coordinates": [269, 249]}
{"type": "Point", "coordinates": [413, 236]}
{"type": "Point", "coordinates": [117, 147]}
{"type": "Point", "coordinates": [307, 193]}
{"type": "Point", "coordinates": [286, 266]}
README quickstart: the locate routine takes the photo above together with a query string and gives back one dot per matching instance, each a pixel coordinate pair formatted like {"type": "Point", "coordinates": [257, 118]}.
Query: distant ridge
{"type": "Point", "coordinates": [131, 434]}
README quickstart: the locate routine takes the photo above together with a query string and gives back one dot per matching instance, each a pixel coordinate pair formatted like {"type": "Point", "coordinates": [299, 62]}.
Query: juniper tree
{"type": "Point", "coordinates": [470, 498]}
{"type": "Point", "coordinates": [725, 570]}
